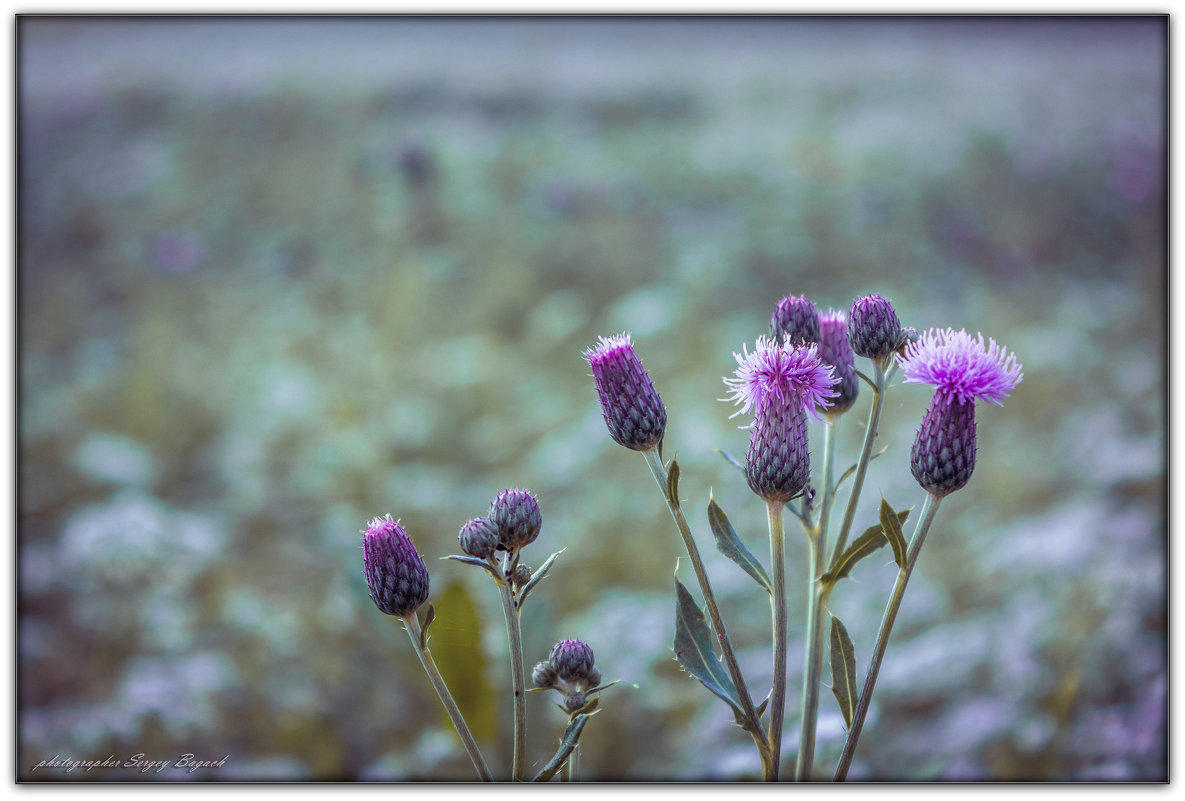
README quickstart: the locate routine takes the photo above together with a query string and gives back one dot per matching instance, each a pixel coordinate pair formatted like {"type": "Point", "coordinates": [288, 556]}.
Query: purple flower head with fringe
{"type": "Point", "coordinates": [960, 366]}
{"type": "Point", "coordinates": [630, 404]}
{"type": "Point", "coordinates": [776, 373]}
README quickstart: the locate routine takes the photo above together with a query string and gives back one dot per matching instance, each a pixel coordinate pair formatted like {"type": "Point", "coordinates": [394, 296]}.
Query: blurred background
{"type": "Point", "coordinates": [279, 276]}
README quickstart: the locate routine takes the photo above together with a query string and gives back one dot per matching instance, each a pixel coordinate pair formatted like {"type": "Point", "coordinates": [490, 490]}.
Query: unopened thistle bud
{"type": "Point", "coordinates": [780, 383]}
{"type": "Point", "coordinates": [963, 370]}
{"type": "Point", "coordinates": [835, 350]}
{"type": "Point", "coordinates": [795, 320]}
{"type": "Point", "coordinates": [543, 675]}
{"type": "Point", "coordinates": [479, 538]}
{"type": "Point", "coordinates": [395, 573]}
{"type": "Point", "coordinates": [873, 328]}
{"type": "Point", "coordinates": [522, 574]}
{"type": "Point", "coordinates": [516, 514]}
{"type": "Point", "coordinates": [632, 409]}
{"type": "Point", "coordinates": [572, 660]}
{"type": "Point", "coordinates": [574, 700]}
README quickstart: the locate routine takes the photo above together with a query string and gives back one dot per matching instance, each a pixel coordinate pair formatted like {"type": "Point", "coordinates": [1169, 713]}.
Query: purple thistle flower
{"type": "Point", "coordinates": [779, 383]}
{"type": "Point", "coordinates": [795, 320]}
{"type": "Point", "coordinates": [516, 514]}
{"type": "Point", "coordinates": [835, 350]}
{"type": "Point", "coordinates": [873, 329]}
{"type": "Point", "coordinates": [632, 409]}
{"type": "Point", "coordinates": [963, 370]}
{"type": "Point", "coordinates": [479, 537]}
{"type": "Point", "coordinates": [572, 660]}
{"type": "Point", "coordinates": [394, 570]}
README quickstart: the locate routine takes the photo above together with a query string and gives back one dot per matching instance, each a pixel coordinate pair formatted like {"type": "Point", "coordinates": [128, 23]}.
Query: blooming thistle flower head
{"type": "Point", "coordinates": [516, 514]}
{"type": "Point", "coordinates": [963, 370]}
{"type": "Point", "coordinates": [835, 350]}
{"type": "Point", "coordinates": [479, 538]}
{"type": "Point", "coordinates": [873, 328]}
{"type": "Point", "coordinates": [780, 383]}
{"type": "Point", "coordinates": [572, 660]}
{"type": "Point", "coordinates": [795, 320]}
{"type": "Point", "coordinates": [394, 571]}
{"type": "Point", "coordinates": [632, 409]}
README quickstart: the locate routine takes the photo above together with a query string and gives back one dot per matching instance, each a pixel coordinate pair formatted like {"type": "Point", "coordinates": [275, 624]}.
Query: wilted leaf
{"type": "Point", "coordinates": [537, 576]}
{"type": "Point", "coordinates": [729, 544]}
{"type": "Point", "coordinates": [568, 744]}
{"type": "Point", "coordinates": [843, 670]}
{"type": "Point", "coordinates": [673, 483]}
{"type": "Point", "coordinates": [891, 526]}
{"type": "Point", "coordinates": [693, 649]}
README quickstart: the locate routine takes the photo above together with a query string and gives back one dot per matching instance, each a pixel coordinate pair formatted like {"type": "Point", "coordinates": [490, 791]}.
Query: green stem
{"type": "Point", "coordinates": [412, 626]}
{"type": "Point", "coordinates": [777, 704]}
{"type": "Point", "coordinates": [874, 419]}
{"type": "Point", "coordinates": [929, 509]}
{"type": "Point", "coordinates": [572, 765]}
{"type": "Point", "coordinates": [768, 762]}
{"type": "Point", "coordinates": [514, 635]}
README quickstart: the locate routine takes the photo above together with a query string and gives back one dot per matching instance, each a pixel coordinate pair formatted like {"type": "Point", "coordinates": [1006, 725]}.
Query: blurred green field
{"type": "Point", "coordinates": [277, 277]}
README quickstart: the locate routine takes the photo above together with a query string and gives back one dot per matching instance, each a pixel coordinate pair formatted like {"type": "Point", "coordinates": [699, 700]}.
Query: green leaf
{"type": "Point", "coordinates": [673, 483]}
{"type": "Point", "coordinates": [601, 687]}
{"type": "Point", "coordinates": [537, 576]}
{"type": "Point", "coordinates": [891, 527]}
{"type": "Point", "coordinates": [729, 544]}
{"type": "Point", "coordinates": [472, 560]}
{"type": "Point", "coordinates": [843, 670]}
{"type": "Point", "coordinates": [693, 649]}
{"type": "Point", "coordinates": [870, 541]}
{"type": "Point", "coordinates": [429, 616]}
{"type": "Point", "coordinates": [568, 744]}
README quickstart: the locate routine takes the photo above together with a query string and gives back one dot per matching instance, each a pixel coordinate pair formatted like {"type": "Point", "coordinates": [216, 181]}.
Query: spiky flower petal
{"type": "Point", "coordinates": [632, 409]}
{"type": "Point", "coordinates": [873, 329]}
{"type": "Point", "coordinates": [394, 570]}
{"type": "Point", "coordinates": [777, 373]}
{"type": "Point", "coordinates": [835, 350]}
{"type": "Point", "coordinates": [961, 366]}
{"type": "Point", "coordinates": [516, 514]}
{"type": "Point", "coordinates": [795, 320]}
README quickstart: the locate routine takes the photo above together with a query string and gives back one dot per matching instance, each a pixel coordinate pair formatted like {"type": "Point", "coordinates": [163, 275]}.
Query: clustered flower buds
{"type": "Point", "coordinates": [795, 320]}
{"type": "Point", "coordinates": [570, 670]}
{"type": "Point", "coordinates": [873, 328]}
{"type": "Point", "coordinates": [395, 572]}
{"type": "Point", "coordinates": [632, 409]}
{"type": "Point", "coordinates": [516, 514]}
{"type": "Point", "coordinates": [479, 538]}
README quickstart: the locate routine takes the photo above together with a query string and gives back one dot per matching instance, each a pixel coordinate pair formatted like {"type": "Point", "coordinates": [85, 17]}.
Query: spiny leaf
{"type": "Point", "coordinates": [537, 576]}
{"type": "Point", "coordinates": [871, 540]}
{"type": "Point", "coordinates": [693, 649]}
{"type": "Point", "coordinates": [843, 670]}
{"type": "Point", "coordinates": [729, 544]}
{"type": "Point", "coordinates": [472, 560]}
{"type": "Point", "coordinates": [673, 483]}
{"type": "Point", "coordinates": [568, 744]}
{"type": "Point", "coordinates": [429, 616]}
{"type": "Point", "coordinates": [891, 527]}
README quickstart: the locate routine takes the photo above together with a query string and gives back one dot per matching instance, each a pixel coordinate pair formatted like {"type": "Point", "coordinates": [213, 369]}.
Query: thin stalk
{"type": "Point", "coordinates": [572, 765]}
{"type": "Point", "coordinates": [518, 680]}
{"type": "Point", "coordinates": [874, 420]}
{"type": "Point", "coordinates": [450, 706]}
{"type": "Point", "coordinates": [929, 509]}
{"type": "Point", "coordinates": [777, 703]}
{"type": "Point", "coordinates": [768, 761]}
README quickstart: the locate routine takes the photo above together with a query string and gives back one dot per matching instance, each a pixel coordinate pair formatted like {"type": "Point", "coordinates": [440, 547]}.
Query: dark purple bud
{"type": "Point", "coordinates": [632, 409]}
{"type": "Point", "coordinates": [943, 454]}
{"type": "Point", "coordinates": [543, 675]}
{"type": "Point", "coordinates": [778, 461]}
{"type": "Point", "coordinates": [795, 320]}
{"type": "Point", "coordinates": [873, 328]}
{"type": "Point", "coordinates": [395, 573]}
{"type": "Point", "coordinates": [516, 514]}
{"type": "Point", "coordinates": [572, 660]}
{"type": "Point", "coordinates": [835, 350]}
{"type": "Point", "coordinates": [594, 678]}
{"type": "Point", "coordinates": [479, 537]}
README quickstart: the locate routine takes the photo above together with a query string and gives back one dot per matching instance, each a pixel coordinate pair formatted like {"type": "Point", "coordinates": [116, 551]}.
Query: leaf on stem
{"type": "Point", "coordinates": [568, 744]}
{"type": "Point", "coordinates": [728, 457]}
{"type": "Point", "coordinates": [871, 540]}
{"type": "Point", "coordinates": [843, 670]}
{"type": "Point", "coordinates": [673, 483]}
{"type": "Point", "coordinates": [729, 544]}
{"type": "Point", "coordinates": [693, 649]}
{"type": "Point", "coordinates": [891, 526]}
{"type": "Point", "coordinates": [472, 560]}
{"type": "Point", "coordinates": [429, 616]}
{"type": "Point", "coordinates": [601, 687]}
{"type": "Point", "coordinates": [537, 576]}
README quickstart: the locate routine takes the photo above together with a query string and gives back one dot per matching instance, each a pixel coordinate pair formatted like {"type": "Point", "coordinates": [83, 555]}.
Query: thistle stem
{"type": "Point", "coordinates": [874, 418]}
{"type": "Point", "coordinates": [518, 680]}
{"type": "Point", "coordinates": [929, 509]}
{"type": "Point", "coordinates": [768, 760]}
{"type": "Point", "coordinates": [572, 765]}
{"type": "Point", "coordinates": [777, 704]}
{"type": "Point", "coordinates": [412, 626]}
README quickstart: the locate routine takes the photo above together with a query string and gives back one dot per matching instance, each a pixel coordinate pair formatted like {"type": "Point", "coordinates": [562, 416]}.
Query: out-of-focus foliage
{"type": "Point", "coordinates": [277, 277]}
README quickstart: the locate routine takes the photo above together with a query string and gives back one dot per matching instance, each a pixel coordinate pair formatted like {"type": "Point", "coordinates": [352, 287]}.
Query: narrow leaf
{"type": "Point", "coordinates": [568, 744]}
{"type": "Point", "coordinates": [693, 649]}
{"type": "Point", "coordinates": [602, 687]}
{"type": "Point", "coordinates": [843, 670]}
{"type": "Point", "coordinates": [869, 381]}
{"type": "Point", "coordinates": [673, 483]}
{"type": "Point", "coordinates": [537, 576]}
{"type": "Point", "coordinates": [891, 527]}
{"type": "Point", "coordinates": [728, 457]}
{"type": "Point", "coordinates": [848, 473]}
{"type": "Point", "coordinates": [729, 544]}
{"type": "Point", "coordinates": [588, 708]}
{"type": "Point", "coordinates": [429, 616]}
{"type": "Point", "coordinates": [870, 541]}
{"type": "Point", "coordinates": [472, 560]}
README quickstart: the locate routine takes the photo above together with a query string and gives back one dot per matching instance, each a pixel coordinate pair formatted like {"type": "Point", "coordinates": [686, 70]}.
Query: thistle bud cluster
{"type": "Point", "coordinates": [570, 671]}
